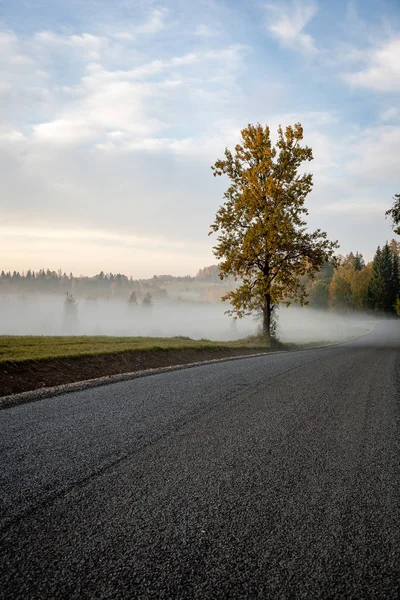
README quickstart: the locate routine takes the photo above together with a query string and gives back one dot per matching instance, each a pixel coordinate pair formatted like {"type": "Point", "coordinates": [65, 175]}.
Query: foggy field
{"type": "Point", "coordinates": [44, 316]}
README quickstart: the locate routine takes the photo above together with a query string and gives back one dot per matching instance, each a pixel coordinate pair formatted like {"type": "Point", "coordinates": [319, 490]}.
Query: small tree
{"type": "Point", "coordinates": [394, 213]}
{"type": "Point", "coordinates": [358, 262]}
{"type": "Point", "coordinates": [262, 239]}
{"type": "Point", "coordinates": [147, 300]}
{"type": "Point", "coordinates": [70, 313]}
{"type": "Point", "coordinates": [132, 300]}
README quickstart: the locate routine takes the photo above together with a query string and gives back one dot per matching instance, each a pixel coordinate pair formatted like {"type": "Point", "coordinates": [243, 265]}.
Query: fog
{"type": "Point", "coordinates": [46, 315]}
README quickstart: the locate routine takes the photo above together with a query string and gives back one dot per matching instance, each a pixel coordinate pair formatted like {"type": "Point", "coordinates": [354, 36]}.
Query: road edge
{"type": "Point", "coordinates": [76, 386]}
{"type": "Point", "coordinates": [48, 392]}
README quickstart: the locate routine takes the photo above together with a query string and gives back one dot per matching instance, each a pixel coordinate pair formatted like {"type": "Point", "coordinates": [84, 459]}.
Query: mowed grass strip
{"type": "Point", "coordinates": [33, 348]}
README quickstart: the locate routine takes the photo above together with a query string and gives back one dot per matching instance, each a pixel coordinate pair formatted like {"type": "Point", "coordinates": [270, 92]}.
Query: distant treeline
{"type": "Point", "coordinates": [346, 284]}
{"type": "Point", "coordinates": [103, 284]}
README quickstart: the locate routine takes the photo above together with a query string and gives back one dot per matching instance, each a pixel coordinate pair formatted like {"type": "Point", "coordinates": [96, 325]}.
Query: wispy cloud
{"type": "Point", "coordinates": [390, 114]}
{"type": "Point", "coordinates": [88, 46]}
{"type": "Point", "coordinates": [91, 115]}
{"type": "Point", "coordinates": [205, 31]}
{"type": "Point", "coordinates": [287, 22]}
{"type": "Point", "coordinates": [382, 71]}
{"type": "Point", "coordinates": [377, 155]}
{"type": "Point", "coordinates": [155, 22]}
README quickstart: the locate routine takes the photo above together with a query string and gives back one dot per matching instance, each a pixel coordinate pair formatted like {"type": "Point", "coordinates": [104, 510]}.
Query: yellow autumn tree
{"type": "Point", "coordinates": [263, 240]}
{"type": "Point", "coordinates": [348, 288]}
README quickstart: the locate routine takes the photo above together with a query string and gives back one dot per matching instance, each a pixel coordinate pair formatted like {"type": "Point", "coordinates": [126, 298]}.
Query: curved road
{"type": "Point", "coordinates": [271, 477]}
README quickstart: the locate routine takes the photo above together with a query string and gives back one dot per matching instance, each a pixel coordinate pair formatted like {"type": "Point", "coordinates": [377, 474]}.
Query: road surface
{"type": "Point", "coordinates": [271, 477]}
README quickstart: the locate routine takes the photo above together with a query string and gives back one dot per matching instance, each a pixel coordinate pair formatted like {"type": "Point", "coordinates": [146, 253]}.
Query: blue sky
{"type": "Point", "coordinates": [112, 113]}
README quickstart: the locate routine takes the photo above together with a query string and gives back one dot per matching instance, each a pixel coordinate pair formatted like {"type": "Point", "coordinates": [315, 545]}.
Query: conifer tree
{"type": "Point", "coordinates": [396, 278]}
{"type": "Point", "coordinates": [376, 284]}
{"type": "Point", "coordinates": [381, 290]}
{"type": "Point", "coordinates": [358, 262]}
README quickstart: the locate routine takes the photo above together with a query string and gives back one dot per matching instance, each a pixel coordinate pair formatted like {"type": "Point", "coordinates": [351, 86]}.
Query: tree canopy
{"type": "Point", "coordinates": [263, 239]}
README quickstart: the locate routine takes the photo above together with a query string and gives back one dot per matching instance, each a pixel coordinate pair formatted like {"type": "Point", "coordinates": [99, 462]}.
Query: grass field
{"type": "Point", "coordinates": [28, 348]}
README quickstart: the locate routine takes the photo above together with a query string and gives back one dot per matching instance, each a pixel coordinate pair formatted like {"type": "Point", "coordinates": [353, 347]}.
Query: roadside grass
{"type": "Point", "coordinates": [34, 348]}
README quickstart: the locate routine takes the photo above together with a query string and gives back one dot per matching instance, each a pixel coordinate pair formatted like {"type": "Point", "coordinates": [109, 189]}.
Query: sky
{"type": "Point", "coordinates": [112, 113]}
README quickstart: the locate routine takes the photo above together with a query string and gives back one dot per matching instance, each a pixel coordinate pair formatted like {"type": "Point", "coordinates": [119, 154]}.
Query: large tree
{"type": "Point", "coordinates": [263, 240]}
{"type": "Point", "coordinates": [394, 213]}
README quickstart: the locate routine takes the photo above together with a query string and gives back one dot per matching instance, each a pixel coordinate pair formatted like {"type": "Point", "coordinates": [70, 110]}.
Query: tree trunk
{"type": "Point", "coordinates": [267, 312]}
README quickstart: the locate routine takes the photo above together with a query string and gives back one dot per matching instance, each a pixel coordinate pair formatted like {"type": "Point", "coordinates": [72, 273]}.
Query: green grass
{"type": "Point", "coordinates": [28, 348]}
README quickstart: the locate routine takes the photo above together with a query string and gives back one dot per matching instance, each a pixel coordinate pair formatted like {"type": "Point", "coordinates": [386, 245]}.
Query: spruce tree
{"type": "Point", "coordinates": [390, 285]}
{"type": "Point", "coordinates": [376, 284]}
{"type": "Point", "coordinates": [395, 277]}
{"type": "Point", "coordinates": [358, 262]}
{"type": "Point", "coordinates": [381, 290]}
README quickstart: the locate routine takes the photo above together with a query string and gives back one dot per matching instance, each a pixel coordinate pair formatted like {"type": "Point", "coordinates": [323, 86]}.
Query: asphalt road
{"type": "Point", "coordinates": [271, 477]}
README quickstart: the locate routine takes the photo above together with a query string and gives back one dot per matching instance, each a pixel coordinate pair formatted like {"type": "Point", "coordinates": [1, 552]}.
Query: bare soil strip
{"type": "Point", "coordinates": [23, 376]}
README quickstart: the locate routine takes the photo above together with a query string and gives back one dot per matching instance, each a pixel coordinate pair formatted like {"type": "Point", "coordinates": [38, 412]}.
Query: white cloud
{"type": "Point", "coordinates": [155, 22]}
{"type": "Point", "coordinates": [8, 42]}
{"type": "Point", "coordinates": [205, 31]}
{"type": "Point", "coordinates": [124, 36]}
{"type": "Point", "coordinates": [287, 23]}
{"type": "Point", "coordinates": [64, 131]}
{"type": "Point", "coordinates": [8, 134]}
{"type": "Point", "coordinates": [187, 59]}
{"type": "Point", "coordinates": [23, 82]}
{"type": "Point", "coordinates": [106, 102]}
{"type": "Point", "coordinates": [382, 72]}
{"type": "Point", "coordinates": [378, 151]}
{"type": "Point", "coordinates": [206, 146]}
{"type": "Point", "coordinates": [132, 102]}
{"type": "Point", "coordinates": [390, 114]}
{"type": "Point", "coordinates": [86, 45]}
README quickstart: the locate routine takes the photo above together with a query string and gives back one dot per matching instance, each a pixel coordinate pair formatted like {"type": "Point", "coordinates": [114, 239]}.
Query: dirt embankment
{"type": "Point", "coordinates": [23, 376]}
